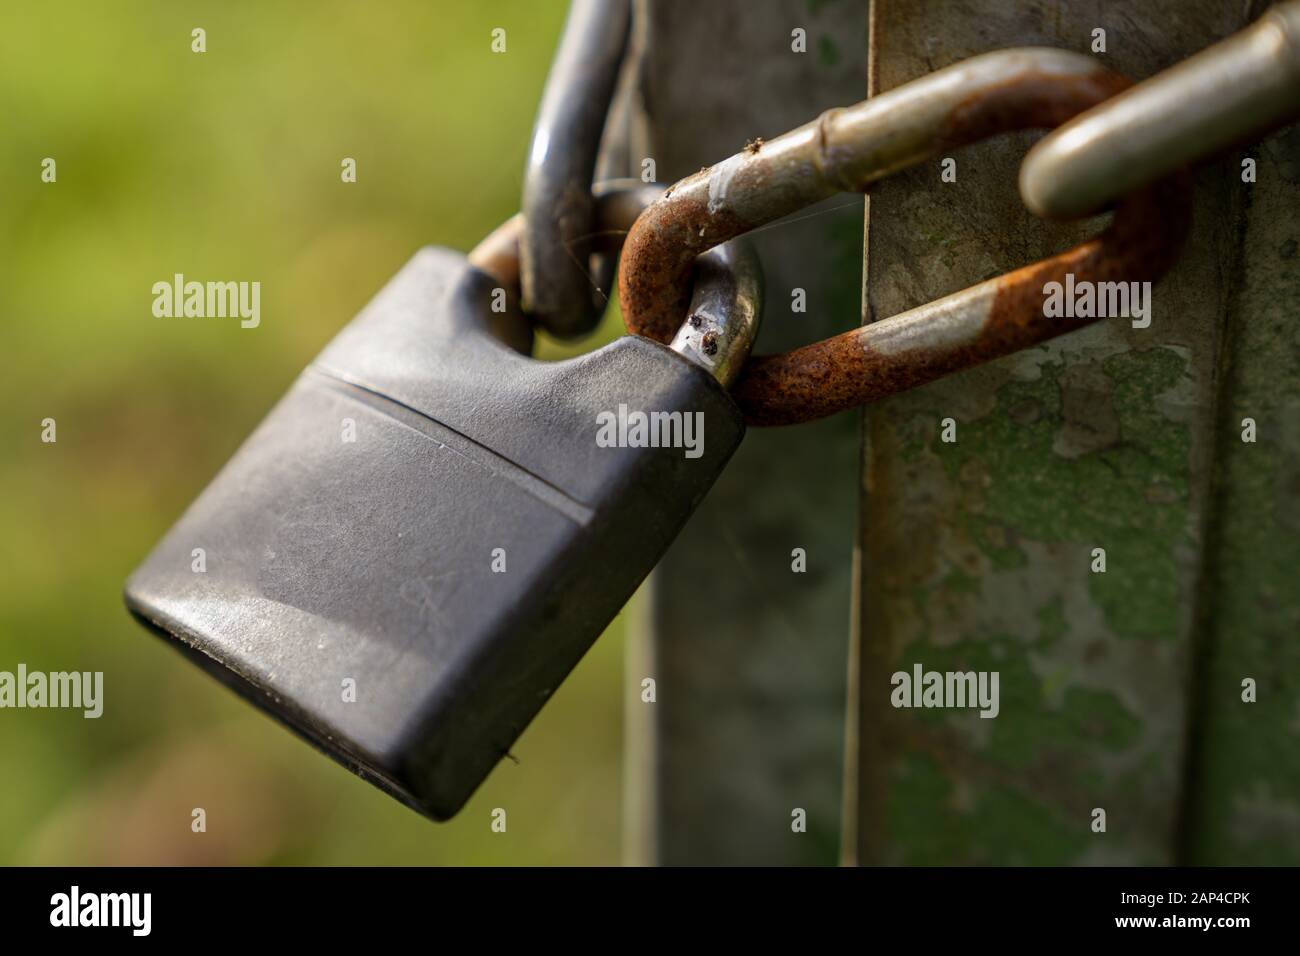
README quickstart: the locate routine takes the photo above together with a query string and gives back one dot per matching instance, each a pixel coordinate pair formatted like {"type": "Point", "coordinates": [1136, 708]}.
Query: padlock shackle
{"type": "Point", "coordinates": [557, 205]}
{"type": "Point", "coordinates": [725, 307]}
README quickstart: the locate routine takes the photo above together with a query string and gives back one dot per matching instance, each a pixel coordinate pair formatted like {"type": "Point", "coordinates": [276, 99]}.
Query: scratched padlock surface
{"type": "Point", "coordinates": [977, 554]}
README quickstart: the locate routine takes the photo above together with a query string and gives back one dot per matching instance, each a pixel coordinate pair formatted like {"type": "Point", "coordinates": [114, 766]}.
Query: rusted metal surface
{"type": "Point", "coordinates": [977, 552]}
{"type": "Point", "coordinates": [615, 205]}
{"type": "Point", "coordinates": [558, 289]}
{"type": "Point", "coordinates": [849, 149]}
{"type": "Point", "coordinates": [726, 289]}
{"type": "Point", "coordinates": [1231, 93]}
{"type": "Point", "coordinates": [844, 149]}
{"type": "Point", "coordinates": [984, 322]}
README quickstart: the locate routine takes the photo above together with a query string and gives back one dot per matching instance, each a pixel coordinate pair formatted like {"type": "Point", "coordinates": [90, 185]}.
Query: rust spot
{"type": "Point", "coordinates": [654, 274]}
{"type": "Point", "coordinates": [1141, 244]}
{"type": "Point", "coordinates": [844, 371]}
{"type": "Point", "coordinates": [754, 145]}
{"type": "Point", "coordinates": [709, 342]}
{"type": "Point", "coordinates": [1030, 101]}
{"type": "Point", "coordinates": [695, 320]}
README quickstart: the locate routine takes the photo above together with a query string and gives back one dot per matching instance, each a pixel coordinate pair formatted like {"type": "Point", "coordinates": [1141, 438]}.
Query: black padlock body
{"type": "Point", "coordinates": [372, 560]}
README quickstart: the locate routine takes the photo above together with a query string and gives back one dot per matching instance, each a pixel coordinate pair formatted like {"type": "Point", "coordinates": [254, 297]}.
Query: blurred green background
{"type": "Point", "coordinates": [225, 165]}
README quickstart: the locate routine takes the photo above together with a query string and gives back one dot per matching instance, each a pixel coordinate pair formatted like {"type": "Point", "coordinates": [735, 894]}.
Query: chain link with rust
{"type": "Point", "coordinates": [726, 287]}
{"type": "Point", "coordinates": [1114, 142]}
{"type": "Point", "coordinates": [1226, 95]}
{"type": "Point", "coordinates": [848, 149]}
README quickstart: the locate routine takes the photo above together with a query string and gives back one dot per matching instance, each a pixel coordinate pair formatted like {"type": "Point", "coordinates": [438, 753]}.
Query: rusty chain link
{"type": "Point", "coordinates": [1228, 94]}
{"type": "Point", "coordinates": [847, 150]}
{"type": "Point", "coordinates": [1128, 147]}
{"type": "Point", "coordinates": [726, 289]}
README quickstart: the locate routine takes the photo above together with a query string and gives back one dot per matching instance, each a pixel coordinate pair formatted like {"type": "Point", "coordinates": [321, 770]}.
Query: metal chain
{"type": "Point", "coordinates": [847, 150]}
{"type": "Point", "coordinates": [1129, 145]}
{"type": "Point", "coordinates": [1230, 93]}
{"type": "Point", "coordinates": [727, 289]}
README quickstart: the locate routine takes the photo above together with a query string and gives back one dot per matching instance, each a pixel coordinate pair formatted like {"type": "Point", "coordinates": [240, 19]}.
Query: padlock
{"type": "Point", "coordinates": [419, 542]}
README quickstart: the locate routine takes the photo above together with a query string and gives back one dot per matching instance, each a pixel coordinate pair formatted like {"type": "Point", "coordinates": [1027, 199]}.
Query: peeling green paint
{"type": "Point", "coordinates": [1052, 624]}
{"type": "Point", "coordinates": [828, 54]}
{"type": "Point", "coordinates": [934, 823]}
{"type": "Point", "coordinates": [996, 543]}
{"type": "Point", "coordinates": [1120, 690]}
{"type": "Point", "coordinates": [1112, 504]}
{"type": "Point", "coordinates": [1029, 724]}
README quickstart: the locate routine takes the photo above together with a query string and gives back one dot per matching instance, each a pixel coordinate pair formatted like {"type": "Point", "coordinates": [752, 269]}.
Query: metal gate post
{"type": "Point", "coordinates": [979, 553]}
{"type": "Point", "coordinates": [748, 654]}
{"type": "Point", "coordinates": [1243, 806]}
